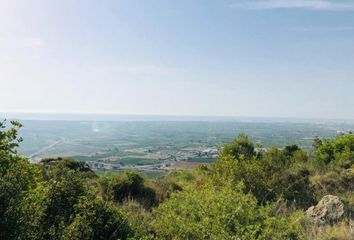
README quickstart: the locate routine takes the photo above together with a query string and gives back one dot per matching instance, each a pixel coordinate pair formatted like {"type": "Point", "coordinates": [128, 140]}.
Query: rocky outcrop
{"type": "Point", "coordinates": [328, 211]}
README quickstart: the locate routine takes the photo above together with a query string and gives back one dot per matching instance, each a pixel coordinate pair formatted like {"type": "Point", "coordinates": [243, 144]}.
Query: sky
{"type": "Point", "coordinates": [248, 58]}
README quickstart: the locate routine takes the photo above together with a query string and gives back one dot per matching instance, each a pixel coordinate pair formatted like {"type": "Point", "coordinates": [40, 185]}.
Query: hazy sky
{"type": "Point", "coordinates": [270, 58]}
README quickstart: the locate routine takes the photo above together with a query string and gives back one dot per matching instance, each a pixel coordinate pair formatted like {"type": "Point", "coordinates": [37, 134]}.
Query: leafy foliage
{"type": "Point", "coordinates": [249, 193]}
{"type": "Point", "coordinates": [48, 209]}
{"type": "Point", "coordinates": [97, 219]}
{"type": "Point", "coordinates": [240, 148]}
{"type": "Point", "coordinates": [130, 185]}
{"type": "Point", "coordinates": [17, 176]}
{"type": "Point", "coordinates": [217, 213]}
{"type": "Point", "coordinates": [55, 167]}
{"type": "Point", "coordinates": [272, 175]}
{"type": "Point", "coordinates": [339, 151]}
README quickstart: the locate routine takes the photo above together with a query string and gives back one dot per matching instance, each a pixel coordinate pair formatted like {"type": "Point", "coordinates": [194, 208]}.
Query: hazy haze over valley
{"type": "Point", "coordinates": [176, 119]}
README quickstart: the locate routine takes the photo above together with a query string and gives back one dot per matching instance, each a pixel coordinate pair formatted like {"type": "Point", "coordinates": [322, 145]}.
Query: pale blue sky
{"type": "Point", "coordinates": [266, 58]}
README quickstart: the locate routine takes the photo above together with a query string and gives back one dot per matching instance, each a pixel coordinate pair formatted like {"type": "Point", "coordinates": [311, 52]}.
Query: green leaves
{"type": "Point", "coordinates": [275, 174]}
{"type": "Point", "coordinates": [240, 148]}
{"type": "Point", "coordinates": [8, 138]}
{"type": "Point", "coordinates": [245, 195]}
{"type": "Point", "coordinates": [17, 177]}
{"type": "Point", "coordinates": [97, 219]}
{"type": "Point", "coordinates": [129, 185]}
{"type": "Point", "coordinates": [339, 151]}
{"type": "Point", "coordinates": [217, 213]}
{"type": "Point", "coordinates": [49, 208]}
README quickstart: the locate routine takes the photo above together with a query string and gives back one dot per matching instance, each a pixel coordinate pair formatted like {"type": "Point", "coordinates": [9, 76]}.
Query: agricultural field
{"type": "Point", "coordinates": [157, 145]}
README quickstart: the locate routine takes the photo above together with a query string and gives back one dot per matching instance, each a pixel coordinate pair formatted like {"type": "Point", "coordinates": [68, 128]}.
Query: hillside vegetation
{"type": "Point", "coordinates": [247, 193]}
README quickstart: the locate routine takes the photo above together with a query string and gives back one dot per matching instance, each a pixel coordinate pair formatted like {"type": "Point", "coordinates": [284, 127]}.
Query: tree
{"type": "Point", "coordinates": [240, 148]}
{"type": "Point", "coordinates": [9, 139]}
{"type": "Point", "coordinates": [54, 167]}
{"type": "Point", "coordinates": [17, 176]}
{"type": "Point", "coordinates": [49, 208]}
{"type": "Point", "coordinates": [270, 176]}
{"type": "Point", "coordinates": [97, 219]}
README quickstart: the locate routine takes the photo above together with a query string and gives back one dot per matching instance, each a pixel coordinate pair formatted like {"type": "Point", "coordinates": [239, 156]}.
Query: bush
{"type": "Point", "coordinates": [245, 195]}
{"type": "Point", "coordinates": [17, 177]}
{"type": "Point", "coordinates": [49, 208]}
{"type": "Point", "coordinates": [337, 152]}
{"type": "Point", "coordinates": [139, 218]}
{"type": "Point", "coordinates": [97, 219]}
{"type": "Point", "coordinates": [273, 175]}
{"type": "Point", "coordinates": [218, 213]}
{"type": "Point", "coordinates": [130, 185]}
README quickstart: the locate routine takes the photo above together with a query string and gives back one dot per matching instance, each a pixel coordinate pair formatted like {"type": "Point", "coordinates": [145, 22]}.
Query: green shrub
{"type": "Point", "coordinates": [17, 177]}
{"type": "Point", "coordinates": [218, 213]}
{"type": "Point", "coordinates": [273, 175]}
{"type": "Point", "coordinates": [49, 208]}
{"type": "Point", "coordinates": [97, 219]}
{"type": "Point", "coordinates": [129, 185]}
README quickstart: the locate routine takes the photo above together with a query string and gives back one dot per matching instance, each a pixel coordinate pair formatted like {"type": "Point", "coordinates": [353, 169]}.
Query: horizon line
{"type": "Point", "coordinates": [170, 116]}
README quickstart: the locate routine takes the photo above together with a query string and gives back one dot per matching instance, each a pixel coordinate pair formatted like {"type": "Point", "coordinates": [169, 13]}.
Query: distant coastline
{"type": "Point", "coordinates": [151, 117]}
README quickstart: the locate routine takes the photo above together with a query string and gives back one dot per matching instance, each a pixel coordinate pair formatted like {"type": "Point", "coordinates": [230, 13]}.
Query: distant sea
{"type": "Point", "coordinates": [158, 118]}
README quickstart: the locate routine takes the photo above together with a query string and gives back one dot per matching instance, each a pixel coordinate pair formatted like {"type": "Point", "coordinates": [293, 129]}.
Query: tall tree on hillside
{"type": "Point", "coordinates": [17, 176]}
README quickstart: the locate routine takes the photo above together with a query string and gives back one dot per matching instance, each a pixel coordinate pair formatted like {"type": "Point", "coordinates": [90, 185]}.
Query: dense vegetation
{"type": "Point", "coordinates": [248, 193]}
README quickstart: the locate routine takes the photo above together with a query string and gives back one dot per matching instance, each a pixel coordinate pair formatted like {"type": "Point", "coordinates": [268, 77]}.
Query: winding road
{"type": "Point", "coordinates": [46, 148]}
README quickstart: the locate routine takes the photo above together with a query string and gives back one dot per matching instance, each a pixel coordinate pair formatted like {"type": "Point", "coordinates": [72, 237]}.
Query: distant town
{"type": "Point", "coordinates": [159, 146]}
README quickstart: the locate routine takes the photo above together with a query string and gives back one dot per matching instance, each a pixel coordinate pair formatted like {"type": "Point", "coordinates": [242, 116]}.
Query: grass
{"type": "Point", "coordinates": [341, 231]}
